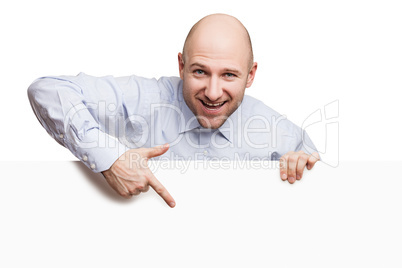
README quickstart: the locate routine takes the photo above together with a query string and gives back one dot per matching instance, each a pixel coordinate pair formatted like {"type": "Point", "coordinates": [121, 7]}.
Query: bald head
{"type": "Point", "coordinates": [217, 30]}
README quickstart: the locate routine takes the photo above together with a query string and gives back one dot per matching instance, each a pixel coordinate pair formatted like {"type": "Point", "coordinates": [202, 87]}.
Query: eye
{"type": "Point", "coordinates": [230, 75]}
{"type": "Point", "coordinates": [199, 72]}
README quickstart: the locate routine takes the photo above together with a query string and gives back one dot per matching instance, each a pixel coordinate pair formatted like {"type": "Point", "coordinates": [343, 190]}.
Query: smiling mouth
{"type": "Point", "coordinates": [212, 106]}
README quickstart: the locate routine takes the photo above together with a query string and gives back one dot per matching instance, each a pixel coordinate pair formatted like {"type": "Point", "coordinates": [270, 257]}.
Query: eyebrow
{"type": "Point", "coordinates": [197, 64]}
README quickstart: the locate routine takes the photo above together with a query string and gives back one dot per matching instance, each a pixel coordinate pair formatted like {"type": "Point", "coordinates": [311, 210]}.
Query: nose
{"type": "Point", "coordinates": [213, 90]}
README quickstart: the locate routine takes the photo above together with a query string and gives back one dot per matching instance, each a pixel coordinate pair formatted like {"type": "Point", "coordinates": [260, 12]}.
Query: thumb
{"type": "Point", "coordinates": [156, 151]}
{"type": "Point", "coordinates": [316, 155]}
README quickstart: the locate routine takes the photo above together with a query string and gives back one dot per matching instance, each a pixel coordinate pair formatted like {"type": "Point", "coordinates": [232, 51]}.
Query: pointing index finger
{"type": "Point", "coordinates": [161, 190]}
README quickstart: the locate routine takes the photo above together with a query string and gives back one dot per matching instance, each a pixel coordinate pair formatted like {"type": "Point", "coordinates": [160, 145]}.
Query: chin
{"type": "Point", "coordinates": [211, 125]}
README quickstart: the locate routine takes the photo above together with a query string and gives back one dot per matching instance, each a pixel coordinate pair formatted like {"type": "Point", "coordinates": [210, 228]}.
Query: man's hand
{"type": "Point", "coordinates": [130, 174]}
{"type": "Point", "coordinates": [292, 165]}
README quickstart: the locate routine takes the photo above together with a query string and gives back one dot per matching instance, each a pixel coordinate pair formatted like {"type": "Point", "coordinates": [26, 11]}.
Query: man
{"type": "Point", "coordinates": [114, 124]}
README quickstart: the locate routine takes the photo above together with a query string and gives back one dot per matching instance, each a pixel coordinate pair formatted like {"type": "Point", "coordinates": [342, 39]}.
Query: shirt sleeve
{"type": "Point", "coordinates": [73, 111]}
{"type": "Point", "coordinates": [306, 144]}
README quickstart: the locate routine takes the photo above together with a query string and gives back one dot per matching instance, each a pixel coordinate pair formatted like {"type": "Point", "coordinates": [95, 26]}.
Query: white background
{"type": "Point", "coordinates": [310, 53]}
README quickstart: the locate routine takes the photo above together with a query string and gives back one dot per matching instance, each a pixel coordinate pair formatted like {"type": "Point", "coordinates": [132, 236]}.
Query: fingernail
{"type": "Point", "coordinates": [172, 204]}
{"type": "Point", "coordinates": [298, 177]}
{"type": "Point", "coordinates": [291, 180]}
{"type": "Point", "coordinates": [284, 176]}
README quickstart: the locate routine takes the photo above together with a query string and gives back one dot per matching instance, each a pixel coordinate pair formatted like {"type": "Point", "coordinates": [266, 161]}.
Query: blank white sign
{"type": "Point", "coordinates": [59, 214]}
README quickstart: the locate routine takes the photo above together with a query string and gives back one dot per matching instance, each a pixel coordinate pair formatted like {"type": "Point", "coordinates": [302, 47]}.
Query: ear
{"type": "Point", "coordinates": [251, 75]}
{"type": "Point", "coordinates": [181, 65]}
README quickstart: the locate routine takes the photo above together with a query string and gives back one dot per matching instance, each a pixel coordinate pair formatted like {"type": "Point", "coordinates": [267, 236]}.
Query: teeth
{"type": "Point", "coordinates": [211, 104]}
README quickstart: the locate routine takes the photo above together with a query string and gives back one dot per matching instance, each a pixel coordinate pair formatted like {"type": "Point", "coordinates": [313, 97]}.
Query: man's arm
{"type": "Point", "coordinates": [69, 111]}
{"type": "Point", "coordinates": [73, 110]}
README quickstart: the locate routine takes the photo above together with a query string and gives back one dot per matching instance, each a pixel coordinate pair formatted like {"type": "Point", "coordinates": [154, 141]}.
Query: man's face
{"type": "Point", "coordinates": [215, 75]}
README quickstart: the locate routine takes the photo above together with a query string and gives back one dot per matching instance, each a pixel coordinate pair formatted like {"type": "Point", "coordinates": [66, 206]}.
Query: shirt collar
{"type": "Point", "coordinates": [190, 121]}
{"type": "Point", "coordinates": [231, 125]}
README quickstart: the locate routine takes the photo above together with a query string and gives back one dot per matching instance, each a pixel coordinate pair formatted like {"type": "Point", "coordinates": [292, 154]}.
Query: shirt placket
{"type": "Point", "coordinates": [205, 140]}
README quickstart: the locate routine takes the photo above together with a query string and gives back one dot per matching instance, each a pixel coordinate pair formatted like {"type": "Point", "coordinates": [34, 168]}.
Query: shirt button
{"type": "Point", "coordinates": [93, 166]}
{"type": "Point", "coordinates": [205, 152]}
{"type": "Point", "coordinates": [85, 158]}
{"type": "Point", "coordinates": [61, 136]}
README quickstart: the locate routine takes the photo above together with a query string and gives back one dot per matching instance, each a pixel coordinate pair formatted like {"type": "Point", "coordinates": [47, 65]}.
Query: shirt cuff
{"type": "Point", "coordinates": [98, 150]}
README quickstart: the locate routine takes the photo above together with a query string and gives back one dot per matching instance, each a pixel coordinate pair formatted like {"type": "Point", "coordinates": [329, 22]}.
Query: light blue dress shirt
{"type": "Point", "coordinates": [100, 118]}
